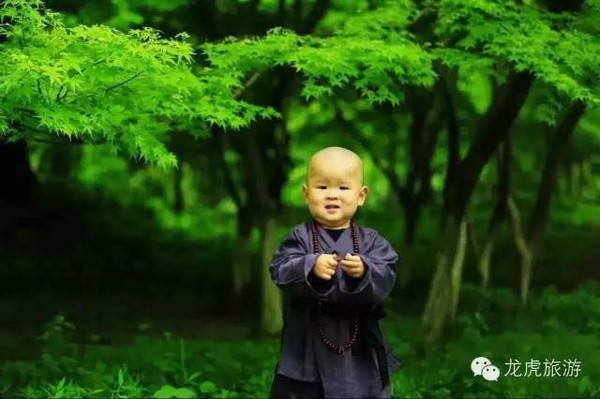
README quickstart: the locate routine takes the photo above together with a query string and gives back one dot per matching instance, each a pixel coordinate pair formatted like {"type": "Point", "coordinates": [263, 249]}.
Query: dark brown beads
{"type": "Point", "coordinates": [340, 349]}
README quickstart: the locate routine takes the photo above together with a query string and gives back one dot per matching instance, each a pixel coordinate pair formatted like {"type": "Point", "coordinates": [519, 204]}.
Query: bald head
{"type": "Point", "coordinates": [334, 188]}
{"type": "Point", "coordinates": [335, 160]}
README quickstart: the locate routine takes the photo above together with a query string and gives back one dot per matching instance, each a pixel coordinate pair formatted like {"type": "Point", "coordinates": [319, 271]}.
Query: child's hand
{"type": "Point", "coordinates": [353, 266]}
{"type": "Point", "coordinates": [325, 265]}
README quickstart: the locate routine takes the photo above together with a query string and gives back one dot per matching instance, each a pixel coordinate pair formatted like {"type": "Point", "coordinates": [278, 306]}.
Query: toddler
{"type": "Point", "coordinates": [334, 276]}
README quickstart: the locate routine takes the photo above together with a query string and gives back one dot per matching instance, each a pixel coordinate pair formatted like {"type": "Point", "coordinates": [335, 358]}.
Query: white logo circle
{"type": "Point", "coordinates": [478, 364]}
{"type": "Point", "coordinates": [490, 373]}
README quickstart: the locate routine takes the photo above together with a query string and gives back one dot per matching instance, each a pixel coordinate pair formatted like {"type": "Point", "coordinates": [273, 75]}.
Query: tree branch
{"type": "Point", "coordinates": [297, 15]}
{"type": "Point", "coordinates": [227, 173]}
{"type": "Point", "coordinates": [122, 83]}
{"type": "Point", "coordinates": [493, 127]}
{"type": "Point", "coordinates": [387, 170]}
{"type": "Point", "coordinates": [247, 84]}
{"type": "Point", "coordinates": [449, 90]}
{"type": "Point", "coordinates": [70, 142]}
{"type": "Point", "coordinates": [281, 13]}
{"type": "Point", "coordinates": [563, 135]}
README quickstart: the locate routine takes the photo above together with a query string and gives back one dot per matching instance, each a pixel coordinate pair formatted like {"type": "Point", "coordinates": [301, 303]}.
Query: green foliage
{"type": "Point", "coordinates": [243, 368]}
{"type": "Point", "coordinates": [372, 66]}
{"type": "Point", "coordinates": [62, 389]}
{"type": "Point", "coordinates": [579, 311]}
{"type": "Point", "coordinates": [389, 21]}
{"type": "Point", "coordinates": [97, 84]}
{"type": "Point", "coordinates": [528, 39]}
{"type": "Point", "coordinates": [56, 335]}
{"type": "Point", "coordinates": [168, 391]}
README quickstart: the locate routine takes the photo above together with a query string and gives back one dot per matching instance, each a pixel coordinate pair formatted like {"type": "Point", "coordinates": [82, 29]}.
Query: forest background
{"type": "Point", "coordinates": [152, 154]}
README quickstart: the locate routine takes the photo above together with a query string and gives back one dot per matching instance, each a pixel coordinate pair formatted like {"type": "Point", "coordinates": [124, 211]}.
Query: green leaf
{"type": "Point", "coordinates": [185, 393]}
{"type": "Point", "coordinates": [167, 391]}
{"type": "Point", "coordinates": [207, 387]}
{"type": "Point", "coordinates": [61, 384]}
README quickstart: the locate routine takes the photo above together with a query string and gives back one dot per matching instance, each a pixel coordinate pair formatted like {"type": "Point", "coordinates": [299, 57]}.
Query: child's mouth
{"type": "Point", "coordinates": [332, 208]}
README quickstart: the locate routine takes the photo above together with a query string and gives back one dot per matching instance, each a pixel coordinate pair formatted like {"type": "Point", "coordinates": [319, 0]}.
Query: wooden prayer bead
{"type": "Point", "coordinates": [340, 349]}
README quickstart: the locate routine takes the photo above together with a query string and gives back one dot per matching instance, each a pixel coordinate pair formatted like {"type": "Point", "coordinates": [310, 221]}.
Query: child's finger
{"type": "Point", "coordinates": [350, 263]}
{"type": "Point", "coordinates": [353, 272]}
{"type": "Point", "coordinates": [352, 257]}
{"type": "Point", "coordinates": [329, 266]}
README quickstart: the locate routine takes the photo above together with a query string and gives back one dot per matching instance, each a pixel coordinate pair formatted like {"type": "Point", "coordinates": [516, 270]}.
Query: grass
{"type": "Point", "coordinates": [162, 364]}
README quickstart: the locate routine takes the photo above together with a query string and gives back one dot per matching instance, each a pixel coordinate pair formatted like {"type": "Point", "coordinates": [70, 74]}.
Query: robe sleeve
{"type": "Point", "coordinates": [380, 273]}
{"type": "Point", "coordinates": [291, 268]}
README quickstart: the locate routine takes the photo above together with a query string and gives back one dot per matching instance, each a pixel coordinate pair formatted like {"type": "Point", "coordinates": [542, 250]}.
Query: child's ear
{"type": "Point", "coordinates": [362, 195]}
{"type": "Point", "coordinates": [305, 193]}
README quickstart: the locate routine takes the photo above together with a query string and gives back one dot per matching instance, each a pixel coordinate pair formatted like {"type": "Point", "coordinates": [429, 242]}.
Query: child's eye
{"type": "Point", "coordinates": [321, 187]}
{"type": "Point", "coordinates": [344, 188]}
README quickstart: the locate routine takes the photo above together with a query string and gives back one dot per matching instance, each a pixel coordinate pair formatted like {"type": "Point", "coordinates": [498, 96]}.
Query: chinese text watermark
{"type": "Point", "coordinates": [547, 368]}
{"type": "Point", "coordinates": [533, 368]}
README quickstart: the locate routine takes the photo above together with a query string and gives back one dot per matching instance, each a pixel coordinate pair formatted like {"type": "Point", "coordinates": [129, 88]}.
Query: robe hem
{"type": "Point", "coordinates": [295, 376]}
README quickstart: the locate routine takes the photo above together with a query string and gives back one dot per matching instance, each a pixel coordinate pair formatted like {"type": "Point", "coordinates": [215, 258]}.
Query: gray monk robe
{"type": "Point", "coordinates": [304, 357]}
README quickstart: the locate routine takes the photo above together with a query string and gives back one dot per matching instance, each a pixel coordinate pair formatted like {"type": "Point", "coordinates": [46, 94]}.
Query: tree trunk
{"type": "Point", "coordinates": [539, 214]}
{"type": "Point", "coordinates": [438, 309]}
{"type": "Point", "coordinates": [241, 266]}
{"type": "Point", "coordinates": [576, 181]}
{"type": "Point", "coordinates": [483, 257]}
{"type": "Point", "coordinates": [411, 216]}
{"type": "Point", "coordinates": [523, 248]}
{"type": "Point", "coordinates": [271, 320]}
{"type": "Point", "coordinates": [18, 180]}
{"type": "Point", "coordinates": [59, 160]}
{"type": "Point", "coordinates": [426, 121]}
{"type": "Point", "coordinates": [267, 209]}
{"type": "Point", "coordinates": [493, 128]}
{"type": "Point", "coordinates": [177, 189]}
{"type": "Point", "coordinates": [19, 185]}
{"type": "Point", "coordinates": [587, 176]}
{"type": "Point", "coordinates": [405, 269]}
{"type": "Point", "coordinates": [241, 254]}
{"type": "Point", "coordinates": [457, 268]}
{"type": "Point", "coordinates": [486, 258]}
{"type": "Point", "coordinates": [499, 213]}
{"type": "Point", "coordinates": [449, 78]}
{"type": "Point", "coordinates": [568, 172]}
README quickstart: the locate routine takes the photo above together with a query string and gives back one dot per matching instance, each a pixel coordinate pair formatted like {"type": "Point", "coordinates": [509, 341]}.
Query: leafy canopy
{"type": "Point", "coordinates": [556, 47]}
{"type": "Point", "coordinates": [130, 90]}
{"type": "Point", "coordinates": [370, 51]}
{"type": "Point", "coordinates": [97, 84]}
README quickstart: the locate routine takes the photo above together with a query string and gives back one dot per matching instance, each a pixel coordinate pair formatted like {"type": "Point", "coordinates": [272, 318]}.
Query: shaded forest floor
{"type": "Point", "coordinates": [169, 358]}
{"type": "Point", "coordinates": [152, 306]}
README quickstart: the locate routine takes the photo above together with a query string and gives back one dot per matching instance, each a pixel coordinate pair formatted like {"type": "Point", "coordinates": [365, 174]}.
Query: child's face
{"type": "Point", "coordinates": [334, 191]}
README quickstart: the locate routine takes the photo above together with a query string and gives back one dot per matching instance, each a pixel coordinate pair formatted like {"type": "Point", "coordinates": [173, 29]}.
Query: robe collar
{"type": "Point", "coordinates": [330, 244]}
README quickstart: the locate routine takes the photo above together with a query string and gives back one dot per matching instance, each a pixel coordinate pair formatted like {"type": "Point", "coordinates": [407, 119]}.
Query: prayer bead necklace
{"type": "Point", "coordinates": [340, 349]}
